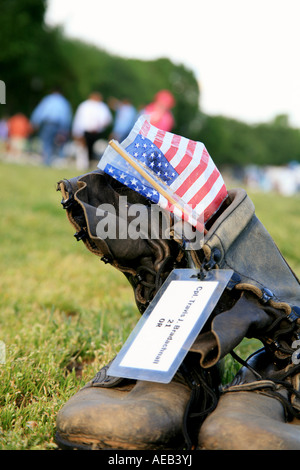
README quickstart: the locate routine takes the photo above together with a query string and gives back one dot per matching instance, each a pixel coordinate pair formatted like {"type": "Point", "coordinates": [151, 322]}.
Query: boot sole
{"type": "Point", "coordinates": [63, 444]}
{"type": "Point", "coordinates": [67, 445]}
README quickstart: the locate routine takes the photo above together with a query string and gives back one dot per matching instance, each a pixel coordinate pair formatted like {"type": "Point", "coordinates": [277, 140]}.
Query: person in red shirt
{"type": "Point", "coordinates": [160, 110]}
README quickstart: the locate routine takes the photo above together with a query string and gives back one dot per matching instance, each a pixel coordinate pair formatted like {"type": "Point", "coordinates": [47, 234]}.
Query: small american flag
{"type": "Point", "coordinates": [181, 165]}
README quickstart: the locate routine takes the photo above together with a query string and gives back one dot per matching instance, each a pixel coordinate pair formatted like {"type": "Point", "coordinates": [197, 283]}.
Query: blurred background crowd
{"type": "Point", "coordinates": [54, 135]}
{"type": "Point", "coordinates": [66, 98]}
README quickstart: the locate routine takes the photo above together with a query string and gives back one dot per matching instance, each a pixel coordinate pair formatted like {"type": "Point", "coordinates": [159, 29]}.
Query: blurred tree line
{"type": "Point", "coordinates": [236, 143]}
{"type": "Point", "coordinates": [35, 58]}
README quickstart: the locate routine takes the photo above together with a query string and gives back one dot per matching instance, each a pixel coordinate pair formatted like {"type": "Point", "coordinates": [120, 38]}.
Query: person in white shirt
{"type": "Point", "coordinates": [91, 119]}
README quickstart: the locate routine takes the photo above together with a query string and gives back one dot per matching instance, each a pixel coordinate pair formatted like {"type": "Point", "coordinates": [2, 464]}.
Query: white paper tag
{"type": "Point", "coordinates": [167, 329]}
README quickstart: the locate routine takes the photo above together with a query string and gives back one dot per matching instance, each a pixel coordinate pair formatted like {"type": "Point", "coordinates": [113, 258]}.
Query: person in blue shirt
{"type": "Point", "coordinates": [52, 118]}
{"type": "Point", "coordinates": [125, 117]}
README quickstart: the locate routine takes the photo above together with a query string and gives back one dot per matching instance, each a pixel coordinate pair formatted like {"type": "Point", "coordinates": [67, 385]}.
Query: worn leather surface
{"type": "Point", "coordinates": [143, 416]}
{"type": "Point", "coordinates": [247, 318]}
{"type": "Point", "coordinates": [250, 415]}
{"type": "Point", "coordinates": [248, 421]}
{"type": "Point", "coordinates": [246, 247]}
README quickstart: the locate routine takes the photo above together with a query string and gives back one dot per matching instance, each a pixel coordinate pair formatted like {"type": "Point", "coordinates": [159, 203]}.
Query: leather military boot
{"type": "Point", "coordinates": [114, 413]}
{"type": "Point", "coordinates": [118, 413]}
{"type": "Point", "coordinates": [261, 300]}
{"type": "Point", "coordinates": [126, 415]}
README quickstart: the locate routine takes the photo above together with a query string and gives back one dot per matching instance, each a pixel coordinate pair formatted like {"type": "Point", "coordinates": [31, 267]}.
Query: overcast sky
{"type": "Point", "coordinates": [245, 53]}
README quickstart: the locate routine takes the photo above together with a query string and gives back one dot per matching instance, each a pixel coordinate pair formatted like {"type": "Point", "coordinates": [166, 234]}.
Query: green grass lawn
{"type": "Point", "coordinates": [64, 314]}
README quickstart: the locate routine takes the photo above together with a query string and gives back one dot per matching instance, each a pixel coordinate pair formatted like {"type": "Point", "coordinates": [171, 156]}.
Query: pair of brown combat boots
{"type": "Point", "coordinates": [259, 409]}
